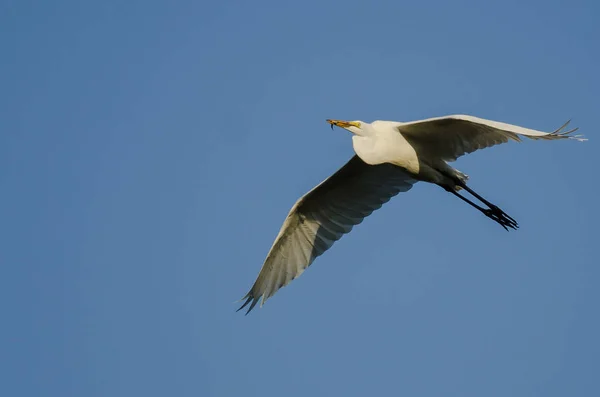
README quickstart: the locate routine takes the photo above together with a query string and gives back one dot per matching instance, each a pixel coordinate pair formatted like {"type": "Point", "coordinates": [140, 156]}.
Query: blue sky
{"type": "Point", "coordinates": [150, 150]}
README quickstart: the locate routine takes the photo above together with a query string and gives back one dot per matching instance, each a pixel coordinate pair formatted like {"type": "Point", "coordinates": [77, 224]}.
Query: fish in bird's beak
{"type": "Point", "coordinates": [341, 123]}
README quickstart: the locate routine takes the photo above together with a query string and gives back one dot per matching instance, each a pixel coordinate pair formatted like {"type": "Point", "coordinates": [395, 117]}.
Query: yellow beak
{"type": "Point", "coordinates": [342, 123]}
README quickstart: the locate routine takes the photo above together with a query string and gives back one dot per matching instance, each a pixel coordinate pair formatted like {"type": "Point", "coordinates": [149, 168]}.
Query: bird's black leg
{"type": "Point", "coordinates": [493, 207]}
{"type": "Point", "coordinates": [496, 216]}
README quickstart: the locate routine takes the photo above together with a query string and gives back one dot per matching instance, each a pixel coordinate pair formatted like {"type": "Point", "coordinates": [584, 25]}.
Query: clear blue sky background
{"type": "Point", "coordinates": [149, 151]}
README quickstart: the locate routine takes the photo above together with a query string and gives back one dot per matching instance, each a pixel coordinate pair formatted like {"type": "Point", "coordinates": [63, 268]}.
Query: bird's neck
{"type": "Point", "coordinates": [365, 148]}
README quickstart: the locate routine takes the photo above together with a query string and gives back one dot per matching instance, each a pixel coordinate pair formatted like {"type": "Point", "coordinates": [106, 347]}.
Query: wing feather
{"type": "Point", "coordinates": [450, 137]}
{"type": "Point", "coordinates": [321, 217]}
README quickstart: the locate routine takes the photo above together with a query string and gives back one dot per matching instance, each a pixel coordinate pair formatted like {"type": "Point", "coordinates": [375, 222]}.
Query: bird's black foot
{"type": "Point", "coordinates": [501, 217]}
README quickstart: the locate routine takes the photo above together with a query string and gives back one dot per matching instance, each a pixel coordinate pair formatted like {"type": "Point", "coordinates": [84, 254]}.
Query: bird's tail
{"type": "Point", "coordinates": [462, 177]}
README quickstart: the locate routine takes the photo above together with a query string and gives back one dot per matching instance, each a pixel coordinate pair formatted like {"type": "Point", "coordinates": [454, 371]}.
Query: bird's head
{"type": "Point", "coordinates": [356, 127]}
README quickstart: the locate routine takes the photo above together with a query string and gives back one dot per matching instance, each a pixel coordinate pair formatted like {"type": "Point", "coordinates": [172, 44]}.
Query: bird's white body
{"type": "Point", "coordinates": [387, 145]}
{"type": "Point", "coordinates": [390, 157]}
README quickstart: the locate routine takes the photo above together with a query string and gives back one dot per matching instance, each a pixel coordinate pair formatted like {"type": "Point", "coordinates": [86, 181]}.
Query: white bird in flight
{"type": "Point", "coordinates": [390, 157]}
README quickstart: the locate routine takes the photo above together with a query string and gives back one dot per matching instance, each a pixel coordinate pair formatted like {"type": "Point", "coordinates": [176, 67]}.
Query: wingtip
{"type": "Point", "coordinates": [561, 133]}
{"type": "Point", "coordinates": [249, 298]}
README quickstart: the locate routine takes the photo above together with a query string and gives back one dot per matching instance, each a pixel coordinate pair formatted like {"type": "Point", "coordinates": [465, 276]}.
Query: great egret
{"type": "Point", "coordinates": [390, 157]}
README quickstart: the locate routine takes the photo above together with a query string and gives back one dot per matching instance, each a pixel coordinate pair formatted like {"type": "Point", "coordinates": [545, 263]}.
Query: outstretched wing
{"type": "Point", "coordinates": [450, 137]}
{"type": "Point", "coordinates": [321, 217]}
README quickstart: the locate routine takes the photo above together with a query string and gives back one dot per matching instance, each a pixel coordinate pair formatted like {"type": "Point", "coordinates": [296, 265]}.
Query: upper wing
{"type": "Point", "coordinates": [450, 137]}
{"type": "Point", "coordinates": [323, 216]}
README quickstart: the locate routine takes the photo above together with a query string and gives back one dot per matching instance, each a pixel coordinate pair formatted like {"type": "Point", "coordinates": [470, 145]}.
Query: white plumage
{"type": "Point", "coordinates": [390, 157]}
